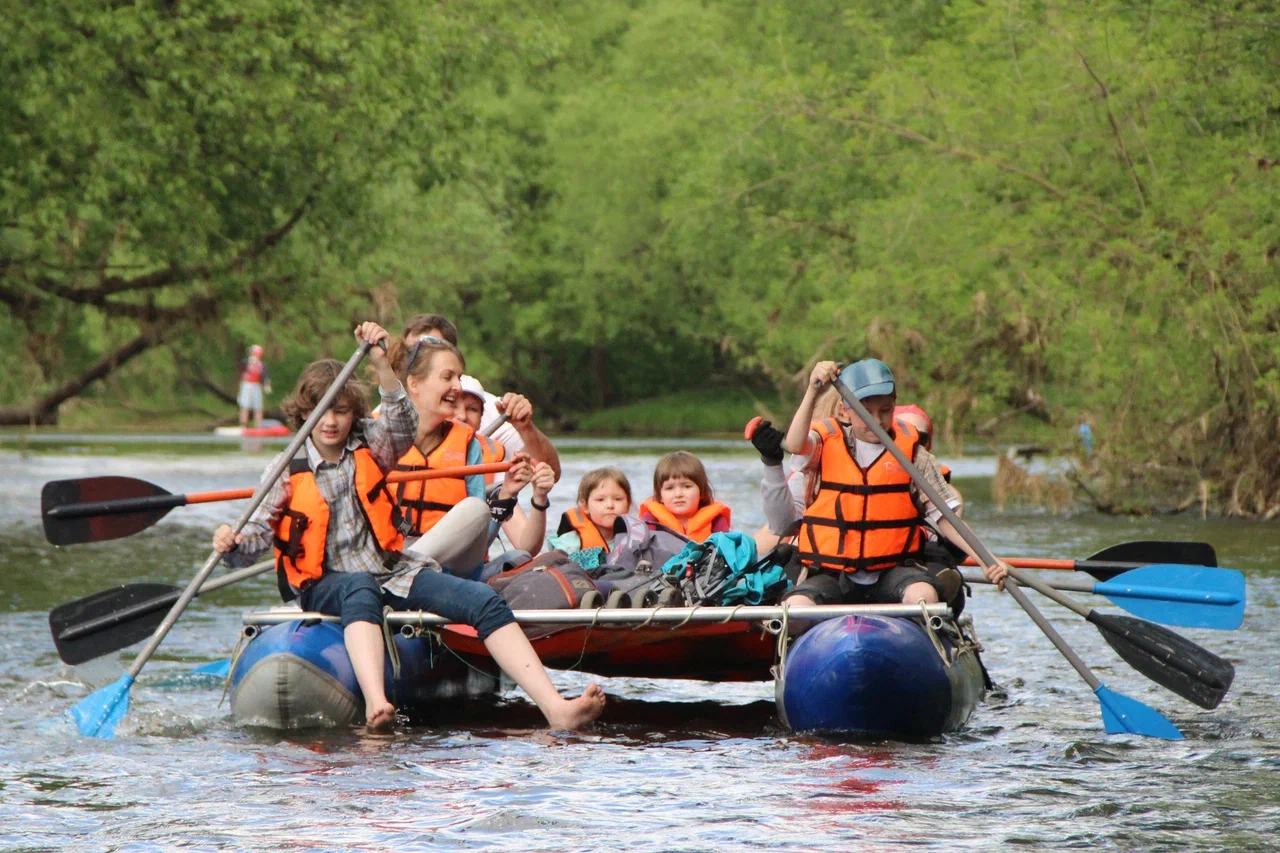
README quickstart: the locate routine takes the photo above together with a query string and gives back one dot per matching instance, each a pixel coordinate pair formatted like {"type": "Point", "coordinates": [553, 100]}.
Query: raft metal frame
{"type": "Point", "coordinates": [639, 616]}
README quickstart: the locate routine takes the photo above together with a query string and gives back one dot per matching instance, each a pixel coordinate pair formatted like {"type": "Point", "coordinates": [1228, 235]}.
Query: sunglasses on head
{"type": "Point", "coordinates": [430, 340]}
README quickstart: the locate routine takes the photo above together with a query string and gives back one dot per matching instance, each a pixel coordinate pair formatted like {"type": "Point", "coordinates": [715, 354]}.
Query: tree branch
{"type": "Point", "coordinates": [1115, 129]}
{"type": "Point", "coordinates": [172, 274]}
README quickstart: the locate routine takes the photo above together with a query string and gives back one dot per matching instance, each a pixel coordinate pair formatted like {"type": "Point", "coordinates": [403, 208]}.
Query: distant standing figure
{"type": "Point", "coordinates": [1086, 439]}
{"type": "Point", "coordinates": [253, 382]}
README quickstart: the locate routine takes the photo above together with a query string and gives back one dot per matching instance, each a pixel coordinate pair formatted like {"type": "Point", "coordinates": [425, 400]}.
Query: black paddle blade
{"type": "Point", "coordinates": [115, 619]}
{"type": "Point", "coordinates": [1168, 659]}
{"type": "Point", "coordinates": [97, 528]}
{"type": "Point", "coordinates": [1153, 551]}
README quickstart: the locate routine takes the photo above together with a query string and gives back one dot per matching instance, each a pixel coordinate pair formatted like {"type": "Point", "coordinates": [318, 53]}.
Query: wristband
{"type": "Point", "coordinates": [501, 509]}
{"type": "Point", "coordinates": [533, 502]}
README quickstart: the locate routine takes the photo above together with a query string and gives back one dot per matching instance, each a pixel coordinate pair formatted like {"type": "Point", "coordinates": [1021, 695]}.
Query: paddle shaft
{"type": "Point", "coordinates": [1069, 565]}
{"type": "Point", "coordinates": [1127, 590]}
{"type": "Point", "coordinates": [153, 502]}
{"type": "Point", "coordinates": [142, 608]}
{"type": "Point", "coordinates": [973, 542]}
{"type": "Point", "coordinates": [259, 495]}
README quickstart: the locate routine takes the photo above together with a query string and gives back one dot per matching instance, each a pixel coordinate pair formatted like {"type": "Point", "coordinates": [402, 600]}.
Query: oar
{"type": "Point", "coordinates": [96, 509]}
{"type": "Point", "coordinates": [1110, 562]}
{"type": "Point", "coordinates": [1189, 596]}
{"type": "Point", "coordinates": [1120, 713]}
{"type": "Point", "coordinates": [114, 619]}
{"type": "Point", "coordinates": [98, 713]}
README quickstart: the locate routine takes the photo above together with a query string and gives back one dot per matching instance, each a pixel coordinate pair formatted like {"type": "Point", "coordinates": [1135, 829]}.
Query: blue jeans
{"type": "Point", "coordinates": [357, 597]}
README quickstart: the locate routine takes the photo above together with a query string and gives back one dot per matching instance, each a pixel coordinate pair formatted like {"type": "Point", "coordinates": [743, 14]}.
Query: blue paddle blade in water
{"type": "Point", "coordinates": [1189, 596]}
{"type": "Point", "coordinates": [97, 714]}
{"type": "Point", "coordinates": [1120, 714]}
{"type": "Point", "coordinates": [218, 668]}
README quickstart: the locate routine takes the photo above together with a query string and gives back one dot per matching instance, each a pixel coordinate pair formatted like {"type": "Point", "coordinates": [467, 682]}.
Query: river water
{"type": "Point", "coordinates": [675, 765]}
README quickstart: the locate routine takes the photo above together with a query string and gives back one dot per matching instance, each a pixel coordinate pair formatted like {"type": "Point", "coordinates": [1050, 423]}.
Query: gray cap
{"type": "Point", "coordinates": [870, 377]}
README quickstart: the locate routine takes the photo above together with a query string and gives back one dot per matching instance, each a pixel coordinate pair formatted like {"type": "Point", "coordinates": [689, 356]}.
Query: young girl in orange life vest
{"type": "Point", "coordinates": [682, 499]}
{"type": "Point", "coordinates": [604, 495]}
{"type": "Point", "coordinates": [337, 550]}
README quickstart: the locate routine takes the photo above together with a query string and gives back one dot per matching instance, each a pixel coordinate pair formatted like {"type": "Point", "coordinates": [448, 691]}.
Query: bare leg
{"type": "Point", "coordinates": [796, 627]}
{"type": "Point", "coordinates": [511, 650]}
{"type": "Point", "coordinates": [257, 417]}
{"type": "Point", "coordinates": [244, 418]}
{"type": "Point", "coordinates": [917, 591]}
{"type": "Point", "coordinates": [365, 646]}
{"type": "Point", "coordinates": [766, 540]}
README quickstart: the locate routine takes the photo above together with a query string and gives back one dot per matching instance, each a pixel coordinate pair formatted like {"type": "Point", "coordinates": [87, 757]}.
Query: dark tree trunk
{"type": "Point", "coordinates": [44, 410]}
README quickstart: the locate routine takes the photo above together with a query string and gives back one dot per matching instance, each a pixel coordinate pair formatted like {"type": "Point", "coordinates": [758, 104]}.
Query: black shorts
{"type": "Point", "coordinates": [828, 587]}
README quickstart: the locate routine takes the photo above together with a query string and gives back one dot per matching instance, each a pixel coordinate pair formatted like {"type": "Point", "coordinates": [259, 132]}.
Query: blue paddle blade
{"type": "Point", "coordinates": [218, 669]}
{"type": "Point", "coordinates": [1189, 596]}
{"type": "Point", "coordinates": [1121, 714]}
{"type": "Point", "coordinates": [97, 714]}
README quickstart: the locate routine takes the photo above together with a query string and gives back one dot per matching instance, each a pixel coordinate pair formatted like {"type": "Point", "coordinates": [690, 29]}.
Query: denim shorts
{"type": "Point", "coordinates": [358, 597]}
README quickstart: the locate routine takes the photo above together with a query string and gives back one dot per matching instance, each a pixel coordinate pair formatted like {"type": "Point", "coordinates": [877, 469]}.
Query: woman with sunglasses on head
{"type": "Point", "coordinates": [450, 519]}
{"type": "Point", "coordinates": [519, 433]}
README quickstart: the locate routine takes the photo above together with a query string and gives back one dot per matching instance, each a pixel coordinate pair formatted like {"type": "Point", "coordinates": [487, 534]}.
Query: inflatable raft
{"type": "Point", "coordinates": [873, 676]}
{"type": "Point", "coordinates": [864, 673]}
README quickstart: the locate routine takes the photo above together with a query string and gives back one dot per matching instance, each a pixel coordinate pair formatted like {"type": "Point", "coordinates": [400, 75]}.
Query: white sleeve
{"type": "Point", "coordinates": [505, 434]}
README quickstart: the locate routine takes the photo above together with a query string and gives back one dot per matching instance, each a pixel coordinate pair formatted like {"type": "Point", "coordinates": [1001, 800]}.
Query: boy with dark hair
{"type": "Point", "coordinates": [329, 519]}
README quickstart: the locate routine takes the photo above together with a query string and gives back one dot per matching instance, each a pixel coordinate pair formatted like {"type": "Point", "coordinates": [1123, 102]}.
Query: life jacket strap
{"type": "Point", "coordinates": [289, 550]}
{"type": "Point", "coordinates": [888, 561]}
{"type": "Point", "coordinates": [845, 525]}
{"type": "Point", "coordinates": [859, 489]}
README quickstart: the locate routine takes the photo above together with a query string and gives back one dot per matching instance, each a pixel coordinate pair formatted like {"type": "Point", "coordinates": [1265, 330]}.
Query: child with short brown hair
{"type": "Point", "coordinates": [683, 500]}
{"type": "Point", "coordinates": [604, 495]}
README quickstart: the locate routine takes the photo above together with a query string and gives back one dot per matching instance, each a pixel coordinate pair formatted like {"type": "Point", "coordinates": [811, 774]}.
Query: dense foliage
{"type": "Point", "coordinates": [1030, 209]}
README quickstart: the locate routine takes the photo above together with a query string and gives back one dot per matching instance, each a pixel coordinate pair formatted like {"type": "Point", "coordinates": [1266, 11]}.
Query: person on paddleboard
{"type": "Point", "coordinates": [519, 432]}
{"type": "Point", "coordinates": [254, 382]}
{"type": "Point", "coordinates": [329, 519]}
{"type": "Point", "coordinates": [861, 538]}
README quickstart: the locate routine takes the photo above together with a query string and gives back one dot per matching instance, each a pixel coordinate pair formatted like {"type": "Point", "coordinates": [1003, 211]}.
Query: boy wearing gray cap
{"type": "Point", "coordinates": [861, 537]}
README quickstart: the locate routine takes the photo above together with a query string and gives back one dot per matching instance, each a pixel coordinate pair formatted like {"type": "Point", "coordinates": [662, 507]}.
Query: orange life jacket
{"type": "Point", "coordinates": [576, 519]}
{"type": "Point", "coordinates": [303, 526]}
{"type": "Point", "coordinates": [697, 527]}
{"type": "Point", "coordinates": [252, 371]}
{"type": "Point", "coordinates": [490, 451]}
{"type": "Point", "coordinates": [861, 519]}
{"type": "Point", "coordinates": [946, 472]}
{"type": "Point", "coordinates": [422, 503]}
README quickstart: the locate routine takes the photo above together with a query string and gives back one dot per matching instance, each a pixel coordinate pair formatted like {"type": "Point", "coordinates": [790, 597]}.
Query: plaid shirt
{"type": "Point", "coordinates": [349, 545]}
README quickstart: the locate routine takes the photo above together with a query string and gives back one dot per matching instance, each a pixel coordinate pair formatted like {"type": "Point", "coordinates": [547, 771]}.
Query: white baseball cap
{"type": "Point", "coordinates": [471, 385]}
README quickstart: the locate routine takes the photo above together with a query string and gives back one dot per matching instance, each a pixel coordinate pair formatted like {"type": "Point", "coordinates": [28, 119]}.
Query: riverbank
{"type": "Point", "coordinates": [716, 413]}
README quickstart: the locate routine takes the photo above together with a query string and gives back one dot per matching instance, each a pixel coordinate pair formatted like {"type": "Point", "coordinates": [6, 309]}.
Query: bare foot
{"type": "Point", "coordinates": [380, 717]}
{"type": "Point", "coordinates": [574, 714]}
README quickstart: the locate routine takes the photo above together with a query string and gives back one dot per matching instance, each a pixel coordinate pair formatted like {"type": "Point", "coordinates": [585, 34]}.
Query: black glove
{"type": "Point", "coordinates": [768, 441]}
